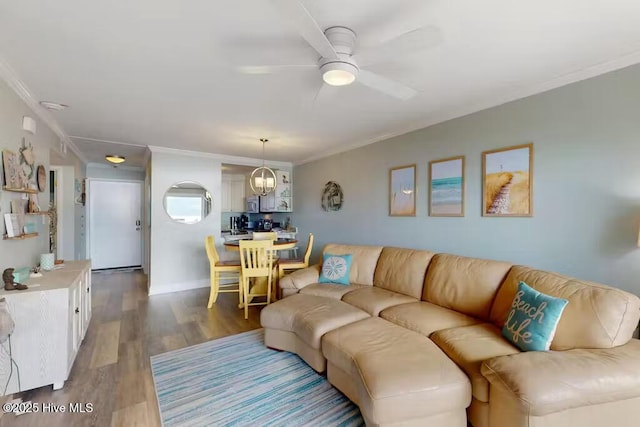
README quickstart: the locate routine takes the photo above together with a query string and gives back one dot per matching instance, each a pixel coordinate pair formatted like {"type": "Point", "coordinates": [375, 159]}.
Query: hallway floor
{"type": "Point", "coordinates": [112, 370]}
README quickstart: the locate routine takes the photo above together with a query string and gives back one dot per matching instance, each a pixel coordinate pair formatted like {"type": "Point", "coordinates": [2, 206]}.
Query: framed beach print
{"type": "Point", "coordinates": [402, 191]}
{"type": "Point", "coordinates": [446, 187]}
{"type": "Point", "coordinates": [507, 181]}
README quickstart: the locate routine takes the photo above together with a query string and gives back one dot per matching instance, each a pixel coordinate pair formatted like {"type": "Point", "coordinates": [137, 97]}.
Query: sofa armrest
{"type": "Point", "coordinates": [547, 382]}
{"type": "Point", "coordinates": [292, 283]}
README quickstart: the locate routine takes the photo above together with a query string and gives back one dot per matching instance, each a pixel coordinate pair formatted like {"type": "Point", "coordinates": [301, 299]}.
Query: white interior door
{"type": "Point", "coordinates": [115, 214]}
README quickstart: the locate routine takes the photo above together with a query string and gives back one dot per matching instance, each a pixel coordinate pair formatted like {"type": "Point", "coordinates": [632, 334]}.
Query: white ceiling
{"type": "Point", "coordinates": [164, 73]}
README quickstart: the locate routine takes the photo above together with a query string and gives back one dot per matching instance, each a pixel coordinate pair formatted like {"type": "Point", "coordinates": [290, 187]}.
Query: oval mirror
{"type": "Point", "coordinates": [187, 202]}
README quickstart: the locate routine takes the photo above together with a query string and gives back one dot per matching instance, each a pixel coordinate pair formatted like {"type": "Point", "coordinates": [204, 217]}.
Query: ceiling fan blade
{"type": "Point", "coordinates": [406, 44]}
{"type": "Point", "coordinates": [270, 69]}
{"type": "Point", "coordinates": [324, 93]}
{"type": "Point", "coordinates": [306, 26]}
{"type": "Point", "coordinates": [385, 85]}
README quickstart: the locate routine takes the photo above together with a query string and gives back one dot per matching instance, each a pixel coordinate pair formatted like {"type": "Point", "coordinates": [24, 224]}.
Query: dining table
{"type": "Point", "coordinates": [278, 245]}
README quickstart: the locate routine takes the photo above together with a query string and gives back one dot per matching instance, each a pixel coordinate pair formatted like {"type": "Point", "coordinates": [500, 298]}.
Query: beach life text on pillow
{"type": "Point", "coordinates": [532, 321]}
{"type": "Point", "coordinates": [335, 269]}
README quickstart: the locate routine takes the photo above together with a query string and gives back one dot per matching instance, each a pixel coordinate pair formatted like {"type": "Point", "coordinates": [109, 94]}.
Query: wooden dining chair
{"type": "Point", "coordinates": [226, 270]}
{"type": "Point", "coordinates": [273, 236]}
{"type": "Point", "coordinates": [265, 235]}
{"type": "Point", "coordinates": [285, 265]}
{"type": "Point", "coordinates": [256, 260]}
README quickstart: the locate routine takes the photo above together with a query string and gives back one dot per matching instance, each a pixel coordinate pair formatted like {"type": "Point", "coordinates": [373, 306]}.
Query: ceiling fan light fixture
{"type": "Point", "coordinates": [339, 73]}
{"type": "Point", "coordinates": [115, 159]}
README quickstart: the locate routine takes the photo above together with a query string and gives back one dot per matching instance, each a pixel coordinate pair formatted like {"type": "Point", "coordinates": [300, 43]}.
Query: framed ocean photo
{"type": "Point", "coordinates": [507, 181]}
{"type": "Point", "coordinates": [402, 191]}
{"type": "Point", "coordinates": [446, 187]}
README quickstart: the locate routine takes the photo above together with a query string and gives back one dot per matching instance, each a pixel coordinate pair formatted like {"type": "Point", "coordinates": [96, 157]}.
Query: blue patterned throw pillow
{"type": "Point", "coordinates": [533, 319]}
{"type": "Point", "coordinates": [335, 269]}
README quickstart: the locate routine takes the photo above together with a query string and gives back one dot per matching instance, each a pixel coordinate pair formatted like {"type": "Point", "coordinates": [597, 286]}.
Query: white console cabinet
{"type": "Point", "coordinates": [51, 319]}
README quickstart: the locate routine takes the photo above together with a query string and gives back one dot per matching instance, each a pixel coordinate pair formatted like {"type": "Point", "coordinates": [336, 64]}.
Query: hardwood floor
{"type": "Point", "coordinates": [112, 369]}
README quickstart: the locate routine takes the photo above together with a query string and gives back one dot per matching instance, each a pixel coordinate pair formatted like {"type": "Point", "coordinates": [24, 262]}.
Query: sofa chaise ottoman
{"type": "Point", "coordinates": [460, 305]}
{"type": "Point", "coordinates": [300, 322]}
{"type": "Point", "coordinates": [396, 376]}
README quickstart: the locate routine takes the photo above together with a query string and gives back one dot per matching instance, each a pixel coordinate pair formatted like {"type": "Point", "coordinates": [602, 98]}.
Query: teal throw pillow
{"type": "Point", "coordinates": [533, 319]}
{"type": "Point", "coordinates": [335, 269]}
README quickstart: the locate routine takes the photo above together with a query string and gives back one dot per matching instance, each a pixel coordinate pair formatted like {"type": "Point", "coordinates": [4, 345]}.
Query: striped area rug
{"type": "Point", "coordinates": [237, 381]}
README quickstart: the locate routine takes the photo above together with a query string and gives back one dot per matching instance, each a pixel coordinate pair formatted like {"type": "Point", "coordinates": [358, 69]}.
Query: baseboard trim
{"type": "Point", "coordinates": [166, 288]}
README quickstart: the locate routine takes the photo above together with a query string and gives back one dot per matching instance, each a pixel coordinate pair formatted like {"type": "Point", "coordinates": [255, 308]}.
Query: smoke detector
{"type": "Point", "coordinates": [53, 106]}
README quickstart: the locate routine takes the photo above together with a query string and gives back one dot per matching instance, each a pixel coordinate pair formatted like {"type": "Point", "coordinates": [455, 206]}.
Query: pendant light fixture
{"type": "Point", "coordinates": [263, 179]}
{"type": "Point", "coordinates": [115, 159]}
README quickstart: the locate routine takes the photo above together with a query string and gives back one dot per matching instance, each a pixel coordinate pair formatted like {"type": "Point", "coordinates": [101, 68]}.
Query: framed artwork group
{"type": "Point", "coordinates": [507, 185]}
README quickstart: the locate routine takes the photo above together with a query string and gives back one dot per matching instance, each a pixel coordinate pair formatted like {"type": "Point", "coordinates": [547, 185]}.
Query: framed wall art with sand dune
{"type": "Point", "coordinates": [446, 187]}
{"type": "Point", "coordinates": [507, 181]}
{"type": "Point", "coordinates": [402, 191]}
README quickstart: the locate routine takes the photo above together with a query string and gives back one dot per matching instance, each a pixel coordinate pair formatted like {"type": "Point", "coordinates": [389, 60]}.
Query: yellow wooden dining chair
{"type": "Point", "coordinates": [256, 260]}
{"type": "Point", "coordinates": [273, 236]}
{"type": "Point", "coordinates": [222, 270]}
{"type": "Point", "coordinates": [285, 265]}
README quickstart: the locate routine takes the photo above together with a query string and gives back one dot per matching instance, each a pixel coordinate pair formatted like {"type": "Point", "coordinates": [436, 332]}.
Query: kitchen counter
{"type": "Point", "coordinates": [228, 235]}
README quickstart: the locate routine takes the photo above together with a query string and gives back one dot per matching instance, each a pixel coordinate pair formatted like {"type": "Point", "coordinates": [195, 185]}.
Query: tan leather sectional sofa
{"type": "Point", "coordinates": [415, 339]}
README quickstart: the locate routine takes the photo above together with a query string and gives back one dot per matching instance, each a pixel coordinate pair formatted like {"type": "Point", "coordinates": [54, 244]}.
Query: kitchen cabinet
{"type": "Point", "coordinates": [268, 202]}
{"type": "Point", "coordinates": [51, 319]}
{"type": "Point", "coordinates": [281, 199]}
{"type": "Point", "coordinates": [232, 193]}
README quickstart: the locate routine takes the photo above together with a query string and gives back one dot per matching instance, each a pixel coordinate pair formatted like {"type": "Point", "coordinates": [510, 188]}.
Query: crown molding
{"type": "Point", "coordinates": [236, 160]}
{"type": "Point", "coordinates": [146, 158]}
{"type": "Point", "coordinates": [495, 101]}
{"type": "Point", "coordinates": [9, 75]}
{"type": "Point", "coordinates": [110, 141]}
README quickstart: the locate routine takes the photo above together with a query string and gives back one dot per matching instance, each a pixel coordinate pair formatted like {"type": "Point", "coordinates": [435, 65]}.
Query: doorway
{"type": "Point", "coordinates": [115, 227]}
{"type": "Point", "coordinates": [56, 231]}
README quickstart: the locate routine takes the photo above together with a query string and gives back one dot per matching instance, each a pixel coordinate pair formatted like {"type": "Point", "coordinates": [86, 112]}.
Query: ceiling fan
{"type": "Point", "coordinates": [341, 61]}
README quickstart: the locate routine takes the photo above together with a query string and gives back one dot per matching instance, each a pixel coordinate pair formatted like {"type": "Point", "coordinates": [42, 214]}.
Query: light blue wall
{"type": "Point", "coordinates": [586, 184]}
{"type": "Point", "coordinates": [280, 217]}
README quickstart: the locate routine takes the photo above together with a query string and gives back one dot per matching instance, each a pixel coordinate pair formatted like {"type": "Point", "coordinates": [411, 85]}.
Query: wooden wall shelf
{"type": "Point", "coordinates": [20, 190]}
{"type": "Point", "coordinates": [20, 237]}
{"type": "Point", "coordinates": [38, 213]}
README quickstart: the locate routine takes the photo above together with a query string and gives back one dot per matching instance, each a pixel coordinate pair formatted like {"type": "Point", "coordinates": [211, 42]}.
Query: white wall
{"type": "Point", "coordinates": [146, 221]}
{"type": "Point", "coordinates": [23, 253]}
{"type": "Point", "coordinates": [178, 259]}
{"type": "Point", "coordinates": [66, 213]}
{"type": "Point", "coordinates": [73, 198]}
{"type": "Point", "coordinates": [103, 171]}
{"type": "Point", "coordinates": [586, 184]}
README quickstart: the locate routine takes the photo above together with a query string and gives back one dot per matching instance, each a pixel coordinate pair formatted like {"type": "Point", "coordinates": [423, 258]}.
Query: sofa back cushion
{"type": "Point", "coordinates": [467, 285]}
{"type": "Point", "coordinates": [597, 316]}
{"type": "Point", "coordinates": [363, 261]}
{"type": "Point", "coordinates": [402, 270]}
